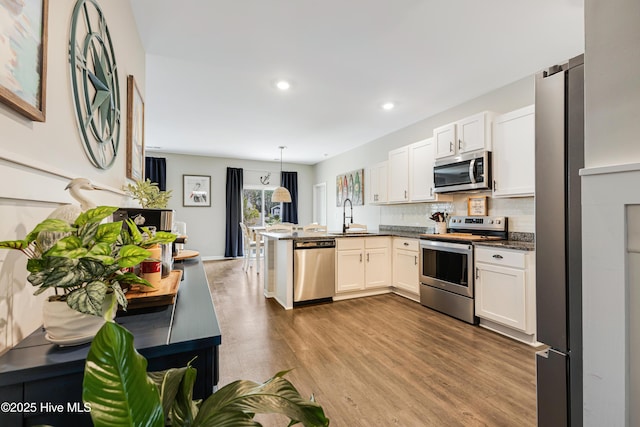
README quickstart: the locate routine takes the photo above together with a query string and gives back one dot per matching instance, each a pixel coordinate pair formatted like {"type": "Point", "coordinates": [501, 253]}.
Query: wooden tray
{"type": "Point", "coordinates": [185, 254]}
{"type": "Point", "coordinates": [165, 295]}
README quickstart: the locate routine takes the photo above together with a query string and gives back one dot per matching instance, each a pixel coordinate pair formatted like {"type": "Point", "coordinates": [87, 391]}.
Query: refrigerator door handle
{"type": "Point", "coordinates": [543, 353]}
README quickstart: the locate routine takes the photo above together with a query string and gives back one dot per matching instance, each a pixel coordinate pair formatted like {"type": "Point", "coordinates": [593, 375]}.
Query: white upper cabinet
{"type": "Point", "coordinates": [421, 158]}
{"type": "Point", "coordinates": [399, 175]}
{"type": "Point", "coordinates": [377, 183]}
{"type": "Point", "coordinates": [514, 153]}
{"type": "Point", "coordinates": [472, 133]}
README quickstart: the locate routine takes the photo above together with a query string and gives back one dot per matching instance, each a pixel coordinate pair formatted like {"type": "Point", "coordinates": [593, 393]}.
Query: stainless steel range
{"type": "Point", "coordinates": [446, 264]}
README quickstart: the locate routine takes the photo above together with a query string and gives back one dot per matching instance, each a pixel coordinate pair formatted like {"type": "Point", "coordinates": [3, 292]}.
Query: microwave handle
{"type": "Point", "coordinates": [472, 167]}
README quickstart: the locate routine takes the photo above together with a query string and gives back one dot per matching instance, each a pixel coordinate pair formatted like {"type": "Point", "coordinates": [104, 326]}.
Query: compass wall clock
{"type": "Point", "coordinates": [94, 80]}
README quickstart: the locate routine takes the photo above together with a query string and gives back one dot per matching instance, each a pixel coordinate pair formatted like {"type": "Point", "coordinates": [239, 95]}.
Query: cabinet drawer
{"type": "Point", "coordinates": [376, 242]}
{"type": "Point", "coordinates": [349, 243]}
{"type": "Point", "coordinates": [504, 257]}
{"type": "Point", "coordinates": [408, 244]}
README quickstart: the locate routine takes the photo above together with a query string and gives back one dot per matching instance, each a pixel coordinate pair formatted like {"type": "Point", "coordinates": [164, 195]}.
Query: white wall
{"type": "Point", "coordinates": [508, 98]}
{"type": "Point", "coordinates": [612, 102]}
{"type": "Point", "coordinates": [37, 160]}
{"type": "Point", "coordinates": [206, 225]}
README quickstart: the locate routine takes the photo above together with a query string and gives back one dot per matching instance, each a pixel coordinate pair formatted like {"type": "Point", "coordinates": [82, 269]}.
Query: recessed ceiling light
{"type": "Point", "coordinates": [283, 84]}
{"type": "Point", "coordinates": [388, 106]}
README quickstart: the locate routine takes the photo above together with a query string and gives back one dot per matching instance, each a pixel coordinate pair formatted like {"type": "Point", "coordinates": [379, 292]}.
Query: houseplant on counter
{"type": "Point", "coordinates": [85, 263]}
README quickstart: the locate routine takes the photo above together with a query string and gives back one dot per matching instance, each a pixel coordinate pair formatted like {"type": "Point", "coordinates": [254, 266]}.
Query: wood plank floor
{"type": "Point", "coordinates": [375, 361]}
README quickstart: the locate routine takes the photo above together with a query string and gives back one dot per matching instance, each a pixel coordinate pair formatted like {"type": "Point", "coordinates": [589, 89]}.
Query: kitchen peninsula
{"type": "Point", "coordinates": [366, 250]}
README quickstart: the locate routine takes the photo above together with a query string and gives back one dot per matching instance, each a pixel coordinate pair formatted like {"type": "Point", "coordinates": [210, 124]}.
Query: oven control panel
{"type": "Point", "coordinates": [488, 223]}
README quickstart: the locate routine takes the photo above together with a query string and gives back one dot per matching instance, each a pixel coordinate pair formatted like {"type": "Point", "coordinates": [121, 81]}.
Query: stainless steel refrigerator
{"type": "Point", "coordinates": [559, 127]}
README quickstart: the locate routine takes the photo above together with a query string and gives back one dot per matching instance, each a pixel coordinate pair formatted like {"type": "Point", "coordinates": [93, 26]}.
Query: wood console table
{"type": "Point", "coordinates": [37, 373]}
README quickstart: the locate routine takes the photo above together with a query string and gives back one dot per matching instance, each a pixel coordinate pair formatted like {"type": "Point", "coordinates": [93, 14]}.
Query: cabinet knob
{"type": "Point", "coordinates": [367, 256]}
{"type": "Point", "coordinates": [477, 273]}
{"type": "Point", "coordinates": [495, 187]}
{"type": "Point", "coordinates": [498, 256]}
{"type": "Point", "coordinates": [415, 260]}
{"type": "Point", "coordinates": [459, 144]}
{"type": "Point", "coordinates": [405, 194]}
{"type": "Point", "coordinates": [360, 256]}
{"type": "Point", "coordinates": [406, 244]}
{"type": "Point", "coordinates": [451, 146]}
{"type": "Point", "coordinates": [430, 191]}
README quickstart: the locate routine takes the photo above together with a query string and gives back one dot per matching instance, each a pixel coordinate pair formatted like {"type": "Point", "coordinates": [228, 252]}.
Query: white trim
{"type": "Point", "coordinates": [602, 170]}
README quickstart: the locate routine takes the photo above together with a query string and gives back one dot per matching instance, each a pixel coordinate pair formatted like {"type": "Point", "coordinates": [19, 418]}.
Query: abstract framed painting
{"type": "Point", "coordinates": [23, 50]}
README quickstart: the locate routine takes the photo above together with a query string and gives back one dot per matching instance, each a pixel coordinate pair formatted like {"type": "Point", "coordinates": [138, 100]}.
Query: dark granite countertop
{"type": "Point", "coordinates": [385, 230]}
{"type": "Point", "coordinates": [508, 244]}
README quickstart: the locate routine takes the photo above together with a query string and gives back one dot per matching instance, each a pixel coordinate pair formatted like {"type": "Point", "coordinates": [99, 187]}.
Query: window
{"type": "Point", "coordinates": [257, 207]}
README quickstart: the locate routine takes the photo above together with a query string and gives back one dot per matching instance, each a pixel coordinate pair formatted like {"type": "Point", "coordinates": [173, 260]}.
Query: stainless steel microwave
{"type": "Point", "coordinates": [468, 171]}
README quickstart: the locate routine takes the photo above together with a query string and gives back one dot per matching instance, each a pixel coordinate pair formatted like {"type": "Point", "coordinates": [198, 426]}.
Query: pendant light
{"type": "Point", "coordinates": [281, 194]}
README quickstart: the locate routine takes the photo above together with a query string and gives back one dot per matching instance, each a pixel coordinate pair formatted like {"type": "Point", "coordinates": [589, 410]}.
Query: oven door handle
{"type": "Point", "coordinates": [472, 168]}
{"type": "Point", "coordinates": [446, 246]}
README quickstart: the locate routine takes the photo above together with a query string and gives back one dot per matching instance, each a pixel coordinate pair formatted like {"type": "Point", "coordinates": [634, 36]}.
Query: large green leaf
{"type": "Point", "coordinates": [95, 215]}
{"type": "Point", "coordinates": [109, 232]}
{"type": "Point", "coordinates": [134, 233]}
{"type": "Point", "coordinates": [49, 224]}
{"type": "Point", "coordinates": [160, 237]}
{"type": "Point", "coordinates": [63, 246]}
{"type": "Point", "coordinates": [131, 255]}
{"type": "Point", "coordinates": [14, 244]}
{"type": "Point", "coordinates": [87, 233]}
{"type": "Point", "coordinates": [176, 392]}
{"type": "Point", "coordinates": [89, 298]}
{"type": "Point", "coordinates": [277, 395]}
{"type": "Point", "coordinates": [116, 383]}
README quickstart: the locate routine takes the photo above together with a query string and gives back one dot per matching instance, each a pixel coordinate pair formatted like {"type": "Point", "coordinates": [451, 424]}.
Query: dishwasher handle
{"type": "Point", "coordinates": [314, 244]}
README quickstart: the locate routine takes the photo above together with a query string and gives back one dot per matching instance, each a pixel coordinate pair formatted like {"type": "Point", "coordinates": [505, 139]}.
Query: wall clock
{"type": "Point", "coordinates": [94, 81]}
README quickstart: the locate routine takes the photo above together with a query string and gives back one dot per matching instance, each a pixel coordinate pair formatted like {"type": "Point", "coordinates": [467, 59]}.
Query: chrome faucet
{"type": "Point", "coordinates": [345, 227]}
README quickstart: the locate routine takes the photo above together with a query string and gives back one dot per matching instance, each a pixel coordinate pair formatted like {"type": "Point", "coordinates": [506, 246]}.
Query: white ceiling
{"type": "Point", "coordinates": [211, 65]}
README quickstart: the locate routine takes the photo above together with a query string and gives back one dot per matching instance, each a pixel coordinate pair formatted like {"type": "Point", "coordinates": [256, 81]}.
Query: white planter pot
{"type": "Point", "coordinates": [66, 326]}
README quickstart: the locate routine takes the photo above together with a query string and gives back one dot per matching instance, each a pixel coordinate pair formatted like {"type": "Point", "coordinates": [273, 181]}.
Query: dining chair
{"type": "Point", "coordinates": [282, 227]}
{"type": "Point", "coordinates": [314, 228]}
{"type": "Point", "coordinates": [251, 249]}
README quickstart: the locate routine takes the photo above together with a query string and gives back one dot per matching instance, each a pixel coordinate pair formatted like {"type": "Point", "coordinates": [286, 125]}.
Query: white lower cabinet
{"type": "Point", "coordinates": [505, 288]}
{"type": "Point", "coordinates": [362, 263]}
{"type": "Point", "coordinates": [405, 265]}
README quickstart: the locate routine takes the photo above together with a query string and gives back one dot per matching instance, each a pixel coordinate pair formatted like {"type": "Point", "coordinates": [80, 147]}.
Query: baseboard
{"type": "Point", "coordinates": [508, 332]}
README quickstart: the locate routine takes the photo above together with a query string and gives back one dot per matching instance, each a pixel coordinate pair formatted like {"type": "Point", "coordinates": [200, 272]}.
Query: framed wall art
{"type": "Point", "coordinates": [135, 131]}
{"type": "Point", "coordinates": [23, 70]}
{"type": "Point", "coordinates": [477, 206]}
{"type": "Point", "coordinates": [350, 186]}
{"type": "Point", "coordinates": [196, 190]}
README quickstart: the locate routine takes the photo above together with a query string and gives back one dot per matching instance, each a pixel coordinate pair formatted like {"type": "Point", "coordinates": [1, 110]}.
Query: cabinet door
{"type": "Point", "coordinates": [514, 153]}
{"type": "Point", "coordinates": [444, 139]}
{"type": "Point", "coordinates": [405, 270]}
{"type": "Point", "coordinates": [501, 295]}
{"type": "Point", "coordinates": [398, 170]}
{"type": "Point", "coordinates": [421, 158]}
{"type": "Point", "coordinates": [377, 180]}
{"type": "Point", "coordinates": [377, 268]}
{"type": "Point", "coordinates": [472, 134]}
{"type": "Point", "coordinates": [350, 270]}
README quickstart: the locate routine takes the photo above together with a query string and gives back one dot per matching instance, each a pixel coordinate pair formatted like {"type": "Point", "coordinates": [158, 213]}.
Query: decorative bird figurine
{"type": "Point", "coordinates": [70, 212]}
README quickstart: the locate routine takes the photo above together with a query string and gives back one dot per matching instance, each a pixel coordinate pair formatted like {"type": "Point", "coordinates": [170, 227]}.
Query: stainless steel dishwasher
{"type": "Point", "coordinates": [314, 270]}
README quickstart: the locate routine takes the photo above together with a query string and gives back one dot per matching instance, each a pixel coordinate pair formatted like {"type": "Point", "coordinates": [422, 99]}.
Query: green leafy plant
{"type": "Point", "coordinates": [121, 392]}
{"type": "Point", "coordinates": [86, 261]}
{"type": "Point", "coordinates": [148, 194]}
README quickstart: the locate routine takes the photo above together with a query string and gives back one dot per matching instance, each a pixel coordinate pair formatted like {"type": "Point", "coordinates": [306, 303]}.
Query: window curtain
{"type": "Point", "coordinates": [289, 180]}
{"type": "Point", "coordinates": [155, 170]}
{"type": "Point", "coordinates": [233, 239]}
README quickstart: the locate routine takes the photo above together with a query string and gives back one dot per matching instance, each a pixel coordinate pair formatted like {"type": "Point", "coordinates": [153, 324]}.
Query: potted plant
{"type": "Point", "coordinates": [86, 263]}
{"type": "Point", "coordinates": [120, 392]}
{"type": "Point", "coordinates": [148, 194]}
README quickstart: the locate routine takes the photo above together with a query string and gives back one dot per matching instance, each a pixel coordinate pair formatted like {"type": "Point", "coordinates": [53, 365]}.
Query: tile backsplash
{"type": "Point", "coordinates": [520, 212]}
